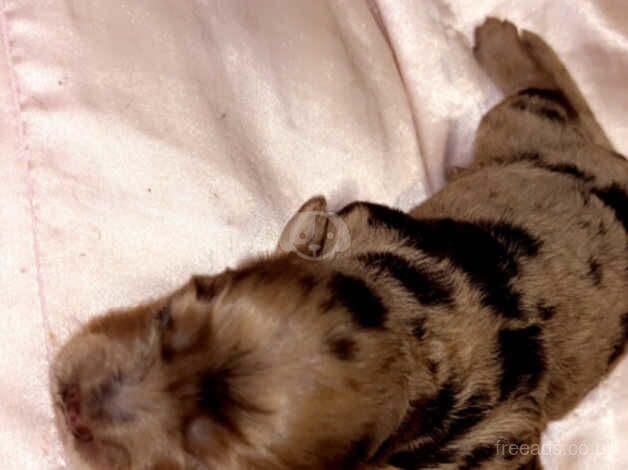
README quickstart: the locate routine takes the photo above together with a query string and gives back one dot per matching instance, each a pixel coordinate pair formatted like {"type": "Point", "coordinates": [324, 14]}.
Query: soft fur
{"type": "Point", "coordinates": [445, 338]}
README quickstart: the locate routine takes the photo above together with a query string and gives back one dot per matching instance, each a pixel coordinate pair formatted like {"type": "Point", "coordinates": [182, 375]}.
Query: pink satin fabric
{"type": "Point", "coordinates": [143, 141]}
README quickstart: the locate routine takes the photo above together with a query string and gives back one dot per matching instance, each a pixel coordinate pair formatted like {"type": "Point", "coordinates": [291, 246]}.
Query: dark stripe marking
{"type": "Point", "coordinates": [615, 198]}
{"type": "Point", "coordinates": [418, 328]}
{"type": "Point", "coordinates": [534, 464]}
{"type": "Point", "coordinates": [307, 283]}
{"type": "Point", "coordinates": [567, 169]}
{"type": "Point", "coordinates": [432, 366]}
{"type": "Point", "coordinates": [546, 312]}
{"type": "Point", "coordinates": [595, 271]}
{"type": "Point", "coordinates": [487, 252]}
{"type": "Point", "coordinates": [430, 414]}
{"type": "Point", "coordinates": [428, 288]}
{"type": "Point", "coordinates": [427, 454]}
{"type": "Point", "coordinates": [358, 452]}
{"type": "Point", "coordinates": [439, 420]}
{"type": "Point", "coordinates": [365, 306]}
{"type": "Point", "coordinates": [329, 304]}
{"type": "Point", "coordinates": [522, 357]}
{"type": "Point", "coordinates": [549, 96]}
{"type": "Point", "coordinates": [549, 113]}
{"type": "Point", "coordinates": [342, 348]}
{"type": "Point", "coordinates": [478, 456]}
{"type": "Point", "coordinates": [539, 110]}
{"type": "Point", "coordinates": [217, 398]}
{"type": "Point", "coordinates": [476, 409]}
{"type": "Point", "coordinates": [557, 96]}
{"type": "Point", "coordinates": [426, 416]}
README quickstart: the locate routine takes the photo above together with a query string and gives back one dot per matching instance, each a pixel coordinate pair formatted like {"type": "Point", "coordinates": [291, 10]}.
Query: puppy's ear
{"type": "Point", "coordinates": [209, 289]}
{"type": "Point", "coordinates": [184, 316]}
{"type": "Point", "coordinates": [306, 232]}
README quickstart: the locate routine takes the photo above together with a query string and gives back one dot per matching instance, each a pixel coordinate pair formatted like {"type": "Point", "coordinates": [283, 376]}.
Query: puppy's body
{"type": "Point", "coordinates": [433, 339]}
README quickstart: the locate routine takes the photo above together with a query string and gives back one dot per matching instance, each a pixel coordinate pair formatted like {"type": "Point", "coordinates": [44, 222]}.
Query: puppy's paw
{"type": "Point", "coordinates": [505, 58]}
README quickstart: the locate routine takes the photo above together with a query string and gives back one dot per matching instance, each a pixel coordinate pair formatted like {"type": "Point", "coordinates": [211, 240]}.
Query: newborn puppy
{"type": "Point", "coordinates": [377, 339]}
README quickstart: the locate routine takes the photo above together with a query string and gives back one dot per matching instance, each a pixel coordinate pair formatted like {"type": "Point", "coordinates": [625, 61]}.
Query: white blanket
{"type": "Point", "coordinates": [146, 140]}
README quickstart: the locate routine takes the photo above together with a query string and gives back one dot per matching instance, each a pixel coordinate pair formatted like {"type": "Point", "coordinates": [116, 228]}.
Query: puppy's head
{"type": "Point", "coordinates": [109, 392]}
{"type": "Point", "coordinates": [258, 368]}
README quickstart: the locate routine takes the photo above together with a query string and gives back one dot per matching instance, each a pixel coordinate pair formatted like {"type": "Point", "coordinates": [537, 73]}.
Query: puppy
{"type": "Point", "coordinates": [439, 339]}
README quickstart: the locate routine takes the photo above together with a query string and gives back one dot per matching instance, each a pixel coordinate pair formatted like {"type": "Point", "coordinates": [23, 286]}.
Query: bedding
{"type": "Point", "coordinates": [144, 141]}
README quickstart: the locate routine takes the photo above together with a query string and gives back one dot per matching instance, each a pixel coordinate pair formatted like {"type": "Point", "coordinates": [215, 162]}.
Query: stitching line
{"type": "Point", "coordinates": [28, 176]}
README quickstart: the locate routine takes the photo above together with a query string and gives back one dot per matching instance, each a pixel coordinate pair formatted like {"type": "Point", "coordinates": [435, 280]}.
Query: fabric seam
{"type": "Point", "coordinates": [381, 23]}
{"type": "Point", "coordinates": [28, 176]}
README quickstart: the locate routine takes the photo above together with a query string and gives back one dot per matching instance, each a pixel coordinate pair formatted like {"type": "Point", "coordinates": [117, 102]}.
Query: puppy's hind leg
{"type": "Point", "coordinates": [547, 59]}
{"type": "Point", "coordinates": [543, 107]}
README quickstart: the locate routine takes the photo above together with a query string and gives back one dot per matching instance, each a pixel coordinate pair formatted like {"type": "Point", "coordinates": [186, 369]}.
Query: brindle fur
{"type": "Point", "coordinates": [433, 339]}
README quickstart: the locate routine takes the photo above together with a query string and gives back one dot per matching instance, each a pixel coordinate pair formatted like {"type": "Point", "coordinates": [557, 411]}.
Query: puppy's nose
{"type": "Point", "coordinates": [71, 398]}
